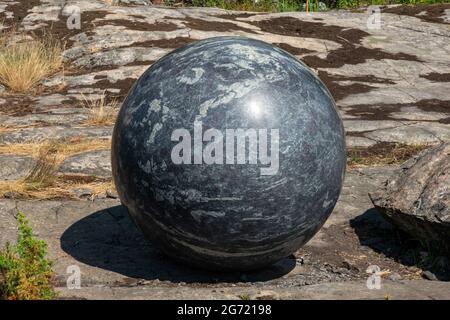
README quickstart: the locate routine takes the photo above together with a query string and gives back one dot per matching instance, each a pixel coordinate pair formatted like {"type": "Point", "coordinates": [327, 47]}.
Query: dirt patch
{"type": "Point", "coordinates": [140, 63]}
{"type": "Point", "coordinates": [100, 76]}
{"type": "Point", "coordinates": [293, 50]}
{"type": "Point", "coordinates": [60, 31]}
{"type": "Point", "coordinates": [374, 112]}
{"type": "Point", "coordinates": [382, 154]}
{"type": "Point", "coordinates": [383, 111]}
{"type": "Point", "coordinates": [289, 26]}
{"type": "Point", "coordinates": [339, 91]}
{"type": "Point", "coordinates": [137, 16]}
{"type": "Point", "coordinates": [365, 78]}
{"type": "Point", "coordinates": [124, 85]}
{"type": "Point", "coordinates": [162, 43]}
{"type": "Point", "coordinates": [20, 10]}
{"type": "Point", "coordinates": [435, 105]}
{"type": "Point", "coordinates": [350, 253]}
{"type": "Point", "coordinates": [236, 16]}
{"type": "Point", "coordinates": [17, 106]}
{"type": "Point", "coordinates": [350, 52]}
{"type": "Point", "coordinates": [433, 13]}
{"type": "Point", "coordinates": [94, 69]}
{"type": "Point", "coordinates": [138, 25]}
{"type": "Point", "coordinates": [437, 77]}
{"type": "Point", "coordinates": [217, 26]}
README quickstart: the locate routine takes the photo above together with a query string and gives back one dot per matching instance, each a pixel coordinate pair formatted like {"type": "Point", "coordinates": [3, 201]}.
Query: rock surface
{"type": "Point", "coordinates": [390, 85]}
{"type": "Point", "coordinates": [417, 198]}
{"type": "Point", "coordinates": [14, 167]}
{"type": "Point", "coordinates": [94, 163]}
{"type": "Point", "coordinates": [117, 262]}
{"type": "Point", "coordinates": [352, 290]}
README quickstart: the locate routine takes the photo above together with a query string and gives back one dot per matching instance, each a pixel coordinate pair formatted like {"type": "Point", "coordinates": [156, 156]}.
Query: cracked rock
{"type": "Point", "coordinates": [417, 197]}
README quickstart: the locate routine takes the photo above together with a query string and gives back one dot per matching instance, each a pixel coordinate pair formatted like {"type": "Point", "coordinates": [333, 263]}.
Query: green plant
{"type": "Point", "coordinates": [359, 3]}
{"type": "Point", "coordinates": [246, 5]}
{"type": "Point", "coordinates": [25, 272]}
{"type": "Point", "coordinates": [295, 5]}
{"type": "Point", "coordinates": [288, 5]}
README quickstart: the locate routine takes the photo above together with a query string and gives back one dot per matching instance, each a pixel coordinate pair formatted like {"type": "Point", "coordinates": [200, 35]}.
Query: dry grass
{"type": "Point", "coordinates": [101, 111]}
{"type": "Point", "coordinates": [59, 189]}
{"type": "Point", "coordinates": [382, 154]}
{"type": "Point", "coordinates": [4, 129]}
{"type": "Point", "coordinates": [43, 174]}
{"type": "Point", "coordinates": [24, 62]}
{"type": "Point", "coordinates": [43, 181]}
{"type": "Point", "coordinates": [65, 148]}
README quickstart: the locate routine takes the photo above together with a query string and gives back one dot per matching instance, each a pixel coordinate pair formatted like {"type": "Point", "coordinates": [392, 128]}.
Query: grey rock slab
{"type": "Point", "coordinates": [100, 238]}
{"type": "Point", "coordinates": [354, 199]}
{"type": "Point", "coordinates": [447, 15]}
{"type": "Point", "coordinates": [13, 167]}
{"type": "Point", "coordinates": [113, 37]}
{"type": "Point", "coordinates": [52, 99]}
{"type": "Point", "coordinates": [352, 290]}
{"type": "Point", "coordinates": [8, 222]}
{"type": "Point", "coordinates": [50, 219]}
{"type": "Point", "coordinates": [120, 57]}
{"type": "Point", "coordinates": [370, 125]}
{"type": "Point", "coordinates": [57, 132]}
{"type": "Point", "coordinates": [91, 79]}
{"type": "Point", "coordinates": [359, 142]}
{"type": "Point", "coordinates": [96, 163]}
{"type": "Point", "coordinates": [54, 119]}
{"type": "Point", "coordinates": [414, 113]}
{"type": "Point", "coordinates": [413, 133]}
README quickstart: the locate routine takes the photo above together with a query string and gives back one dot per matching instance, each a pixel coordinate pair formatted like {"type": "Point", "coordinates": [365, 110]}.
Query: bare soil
{"type": "Point", "coordinates": [383, 111]}
{"type": "Point", "coordinates": [434, 13]}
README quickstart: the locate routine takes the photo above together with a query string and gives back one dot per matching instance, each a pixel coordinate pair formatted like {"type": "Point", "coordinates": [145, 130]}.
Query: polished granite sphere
{"type": "Point", "coordinates": [229, 153]}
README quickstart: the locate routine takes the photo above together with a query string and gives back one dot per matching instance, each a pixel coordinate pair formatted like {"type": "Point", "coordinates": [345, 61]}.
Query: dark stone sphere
{"type": "Point", "coordinates": [229, 153]}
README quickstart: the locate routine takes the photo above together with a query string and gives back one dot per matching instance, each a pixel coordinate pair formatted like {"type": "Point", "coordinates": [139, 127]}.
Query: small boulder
{"type": "Point", "coordinates": [417, 198]}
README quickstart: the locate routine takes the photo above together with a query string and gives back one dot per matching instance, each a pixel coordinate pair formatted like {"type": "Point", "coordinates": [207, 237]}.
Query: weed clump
{"type": "Point", "coordinates": [25, 271]}
{"type": "Point", "coordinates": [25, 62]}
